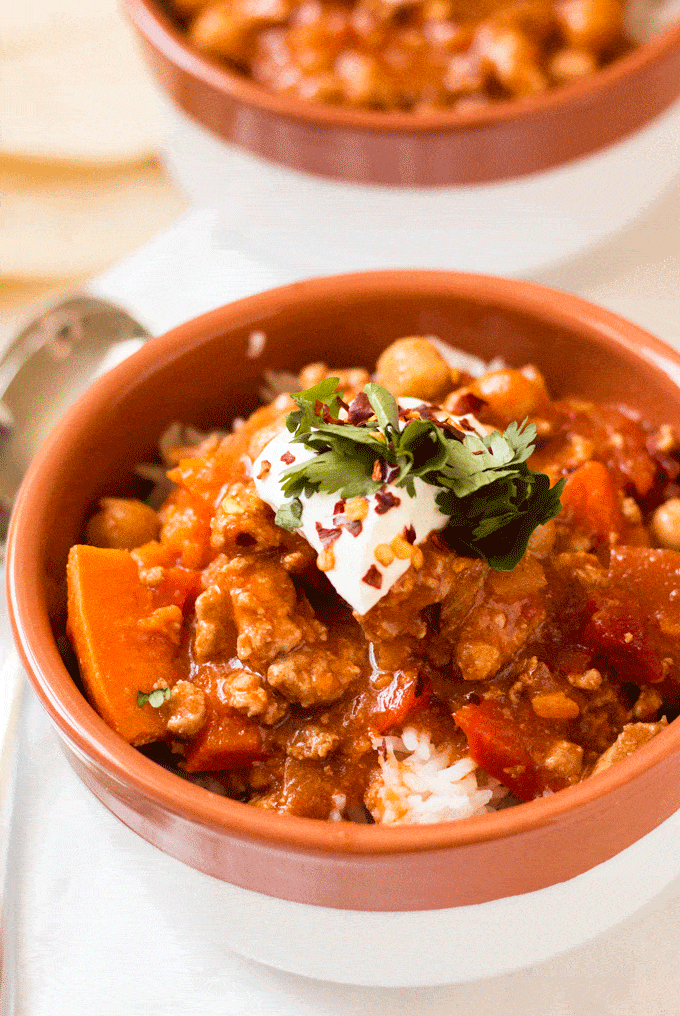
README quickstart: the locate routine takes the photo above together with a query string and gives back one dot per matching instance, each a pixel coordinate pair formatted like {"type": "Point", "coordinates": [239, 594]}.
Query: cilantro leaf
{"type": "Point", "coordinates": [493, 500]}
{"type": "Point", "coordinates": [155, 698]}
{"type": "Point", "coordinates": [289, 515]}
{"type": "Point", "coordinates": [385, 407]}
{"type": "Point", "coordinates": [324, 393]}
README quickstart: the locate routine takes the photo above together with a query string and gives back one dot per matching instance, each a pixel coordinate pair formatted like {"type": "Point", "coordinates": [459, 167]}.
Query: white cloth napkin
{"type": "Point", "coordinates": [98, 923]}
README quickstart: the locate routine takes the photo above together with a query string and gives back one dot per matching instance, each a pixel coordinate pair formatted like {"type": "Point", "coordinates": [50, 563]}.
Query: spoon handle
{"type": "Point", "coordinates": [44, 369]}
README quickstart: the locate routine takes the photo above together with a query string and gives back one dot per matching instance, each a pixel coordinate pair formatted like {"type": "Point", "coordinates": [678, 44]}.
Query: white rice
{"type": "Point", "coordinates": [419, 783]}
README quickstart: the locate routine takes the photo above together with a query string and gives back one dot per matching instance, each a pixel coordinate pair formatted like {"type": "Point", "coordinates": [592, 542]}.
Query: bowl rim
{"type": "Point", "coordinates": [164, 34]}
{"type": "Point", "coordinates": [90, 737]}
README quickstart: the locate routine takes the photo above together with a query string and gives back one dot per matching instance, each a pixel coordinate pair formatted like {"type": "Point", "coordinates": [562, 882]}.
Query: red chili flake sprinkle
{"type": "Point", "coordinates": [386, 500]}
{"type": "Point", "coordinates": [327, 536]}
{"type": "Point", "coordinates": [354, 526]}
{"type": "Point", "coordinates": [468, 403]}
{"type": "Point", "coordinates": [391, 473]}
{"type": "Point", "coordinates": [449, 429]}
{"type": "Point", "coordinates": [360, 409]}
{"type": "Point", "coordinates": [409, 534]}
{"type": "Point", "coordinates": [287, 457]}
{"type": "Point", "coordinates": [466, 425]}
{"type": "Point", "coordinates": [339, 508]}
{"type": "Point", "coordinates": [373, 577]}
{"type": "Point", "coordinates": [377, 474]}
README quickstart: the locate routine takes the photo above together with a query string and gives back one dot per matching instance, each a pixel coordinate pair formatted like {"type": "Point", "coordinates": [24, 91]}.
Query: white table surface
{"type": "Point", "coordinates": [98, 923]}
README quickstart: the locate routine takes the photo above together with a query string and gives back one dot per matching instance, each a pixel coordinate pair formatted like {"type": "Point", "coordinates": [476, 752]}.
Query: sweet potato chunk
{"type": "Point", "coordinates": [118, 656]}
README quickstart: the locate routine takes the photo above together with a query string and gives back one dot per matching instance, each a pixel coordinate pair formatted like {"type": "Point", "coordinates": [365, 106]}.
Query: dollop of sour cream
{"type": "Point", "coordinates": [359, 574]}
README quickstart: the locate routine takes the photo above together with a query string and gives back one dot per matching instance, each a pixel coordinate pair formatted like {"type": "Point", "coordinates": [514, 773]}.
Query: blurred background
{"type": "Point", "coordinates": [80, 185]}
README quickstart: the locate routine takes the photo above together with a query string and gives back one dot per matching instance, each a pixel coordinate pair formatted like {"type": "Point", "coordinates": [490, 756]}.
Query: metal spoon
{"type": "Point", "coordinates": [44, 369]}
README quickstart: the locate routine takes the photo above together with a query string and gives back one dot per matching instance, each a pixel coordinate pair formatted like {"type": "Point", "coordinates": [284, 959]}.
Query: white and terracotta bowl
{"type": "Point", "coordinates": [402, 905]}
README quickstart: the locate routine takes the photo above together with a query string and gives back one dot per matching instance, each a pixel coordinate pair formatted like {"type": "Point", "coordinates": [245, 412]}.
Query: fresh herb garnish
{"type": "Point", "coordinates": [155, 698]}
{"type": "Point", "coordinates": [494, 501]}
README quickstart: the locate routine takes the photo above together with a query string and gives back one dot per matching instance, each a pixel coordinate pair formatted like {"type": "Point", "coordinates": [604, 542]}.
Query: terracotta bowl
{"type": "Point", "coordinates": [426, 149]}
{"type": "Point", "coordinates": [355, 881]}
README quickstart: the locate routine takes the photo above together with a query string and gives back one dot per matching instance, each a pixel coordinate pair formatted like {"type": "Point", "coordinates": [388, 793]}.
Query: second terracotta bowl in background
{"type": "Point", "coordinates": [496, 876]}
{"type": "Point", "coordinates": [426, 149]}
{"type": "Point", "coordinates": [512, 188]}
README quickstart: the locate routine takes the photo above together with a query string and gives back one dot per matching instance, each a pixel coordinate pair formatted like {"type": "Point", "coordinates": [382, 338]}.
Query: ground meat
{"type": "Point", "coordinates": [245, 524]}
{"type": "Point", "coordinates": [271, 618]}
{"type": "Point", "coordinates": [312, 741]}
{"type": "Point", "coordinates": [315, 674]}
{"type": "Point", "coordinates": [186, 709]}
{"type": "Point", "coordinates": [245, 691]}
{"type": "Point", "coordinates": [631, 737]}
{"type": "Point", "coordinates": [166, 622]}
{"type": "Point", "coordinates": [215, 629]}
{"type": "Point", "coordinates": [401, 610]}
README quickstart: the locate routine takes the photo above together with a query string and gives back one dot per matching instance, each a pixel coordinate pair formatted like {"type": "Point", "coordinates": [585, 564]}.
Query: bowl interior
{"type": "Point", "coordinates": [201, 373]}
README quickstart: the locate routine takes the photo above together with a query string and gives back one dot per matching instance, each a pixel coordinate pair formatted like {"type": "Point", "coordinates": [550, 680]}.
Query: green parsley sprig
{"type": "Point", "coordinates": [493, 500]}
{"type": "Point", "coordinates": [155, 698]}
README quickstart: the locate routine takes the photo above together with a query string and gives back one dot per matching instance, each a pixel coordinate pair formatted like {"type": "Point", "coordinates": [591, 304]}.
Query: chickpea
{"type": "Point", "coordinates": [413, 367]}
{"type": "Point", "coordinates": [360, 76]}
{"type": "Point", "coordinates": [511, 395]}
{"type": "Point", "coordinates": [513, 57]}
{"type": "Point", "coordinates": [122, 523]}
{"type": "Point", "coordinates": [666, 524]}
{"type": "Point", "coordinates": [595, 25]}
{"type": "Point", "coordinates": [218, 31]}
{"type": "Point", "coordinates": [571, 64]}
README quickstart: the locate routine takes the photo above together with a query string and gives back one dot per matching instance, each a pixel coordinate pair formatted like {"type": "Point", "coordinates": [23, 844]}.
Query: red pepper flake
{"type": "Point", "coordinates": [466, 425]}
{"type": "Point", "coordinates": [468, 403]}
{"type": "Point", "coordinates": [386, 500]}
{"type": "Point", "coordinates": [449, 429]}
{"type": "Point", "coordinates": [287, 457]}
{"type": "Point", "coordinates": [321, 409]}
{"type": "Point", "coordinates": [391, 473]}
{"type": "Point", "coordinates": [339, 508]}
{"type": "Point", "coordinates": [373, 577]}
{"type": "Point", "coordinates": [354, 526]}
{"type": "Point", "coordinates": [377, 474]}
{"type": "Point", "coordinates": [327, 536]}
{"type": "Point", "coordinates": [409, 534]}
{"type": "Point", "coordinates": [360, 409]}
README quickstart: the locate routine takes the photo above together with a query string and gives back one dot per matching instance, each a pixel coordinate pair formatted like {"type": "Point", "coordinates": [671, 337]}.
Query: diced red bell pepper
{"type": "Point", "coordinates": [227, 741]}
{"type": "Point", "coordinates": [618, 630]}
{"type": "Point", "coordinates": [496, 744]}
{"type": "Point", "coordinates": [590, 501]}
{"type": "Point", "coordinates": [395, 704]}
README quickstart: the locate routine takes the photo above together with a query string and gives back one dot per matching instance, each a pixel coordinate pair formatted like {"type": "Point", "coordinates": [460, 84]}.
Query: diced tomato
{"type": "Point", "coordinates": [590, 502]}
{"type": "Point", "coordinates": [618, 630]}
{"type": "Point", "coordinates": [497, 745]}
{"type": "Point", "coordinates": [227, 741]}
{"type": "Point", "coordinates": [395, 704]}
{"type": "Point", "coordinates": [179, 587]}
